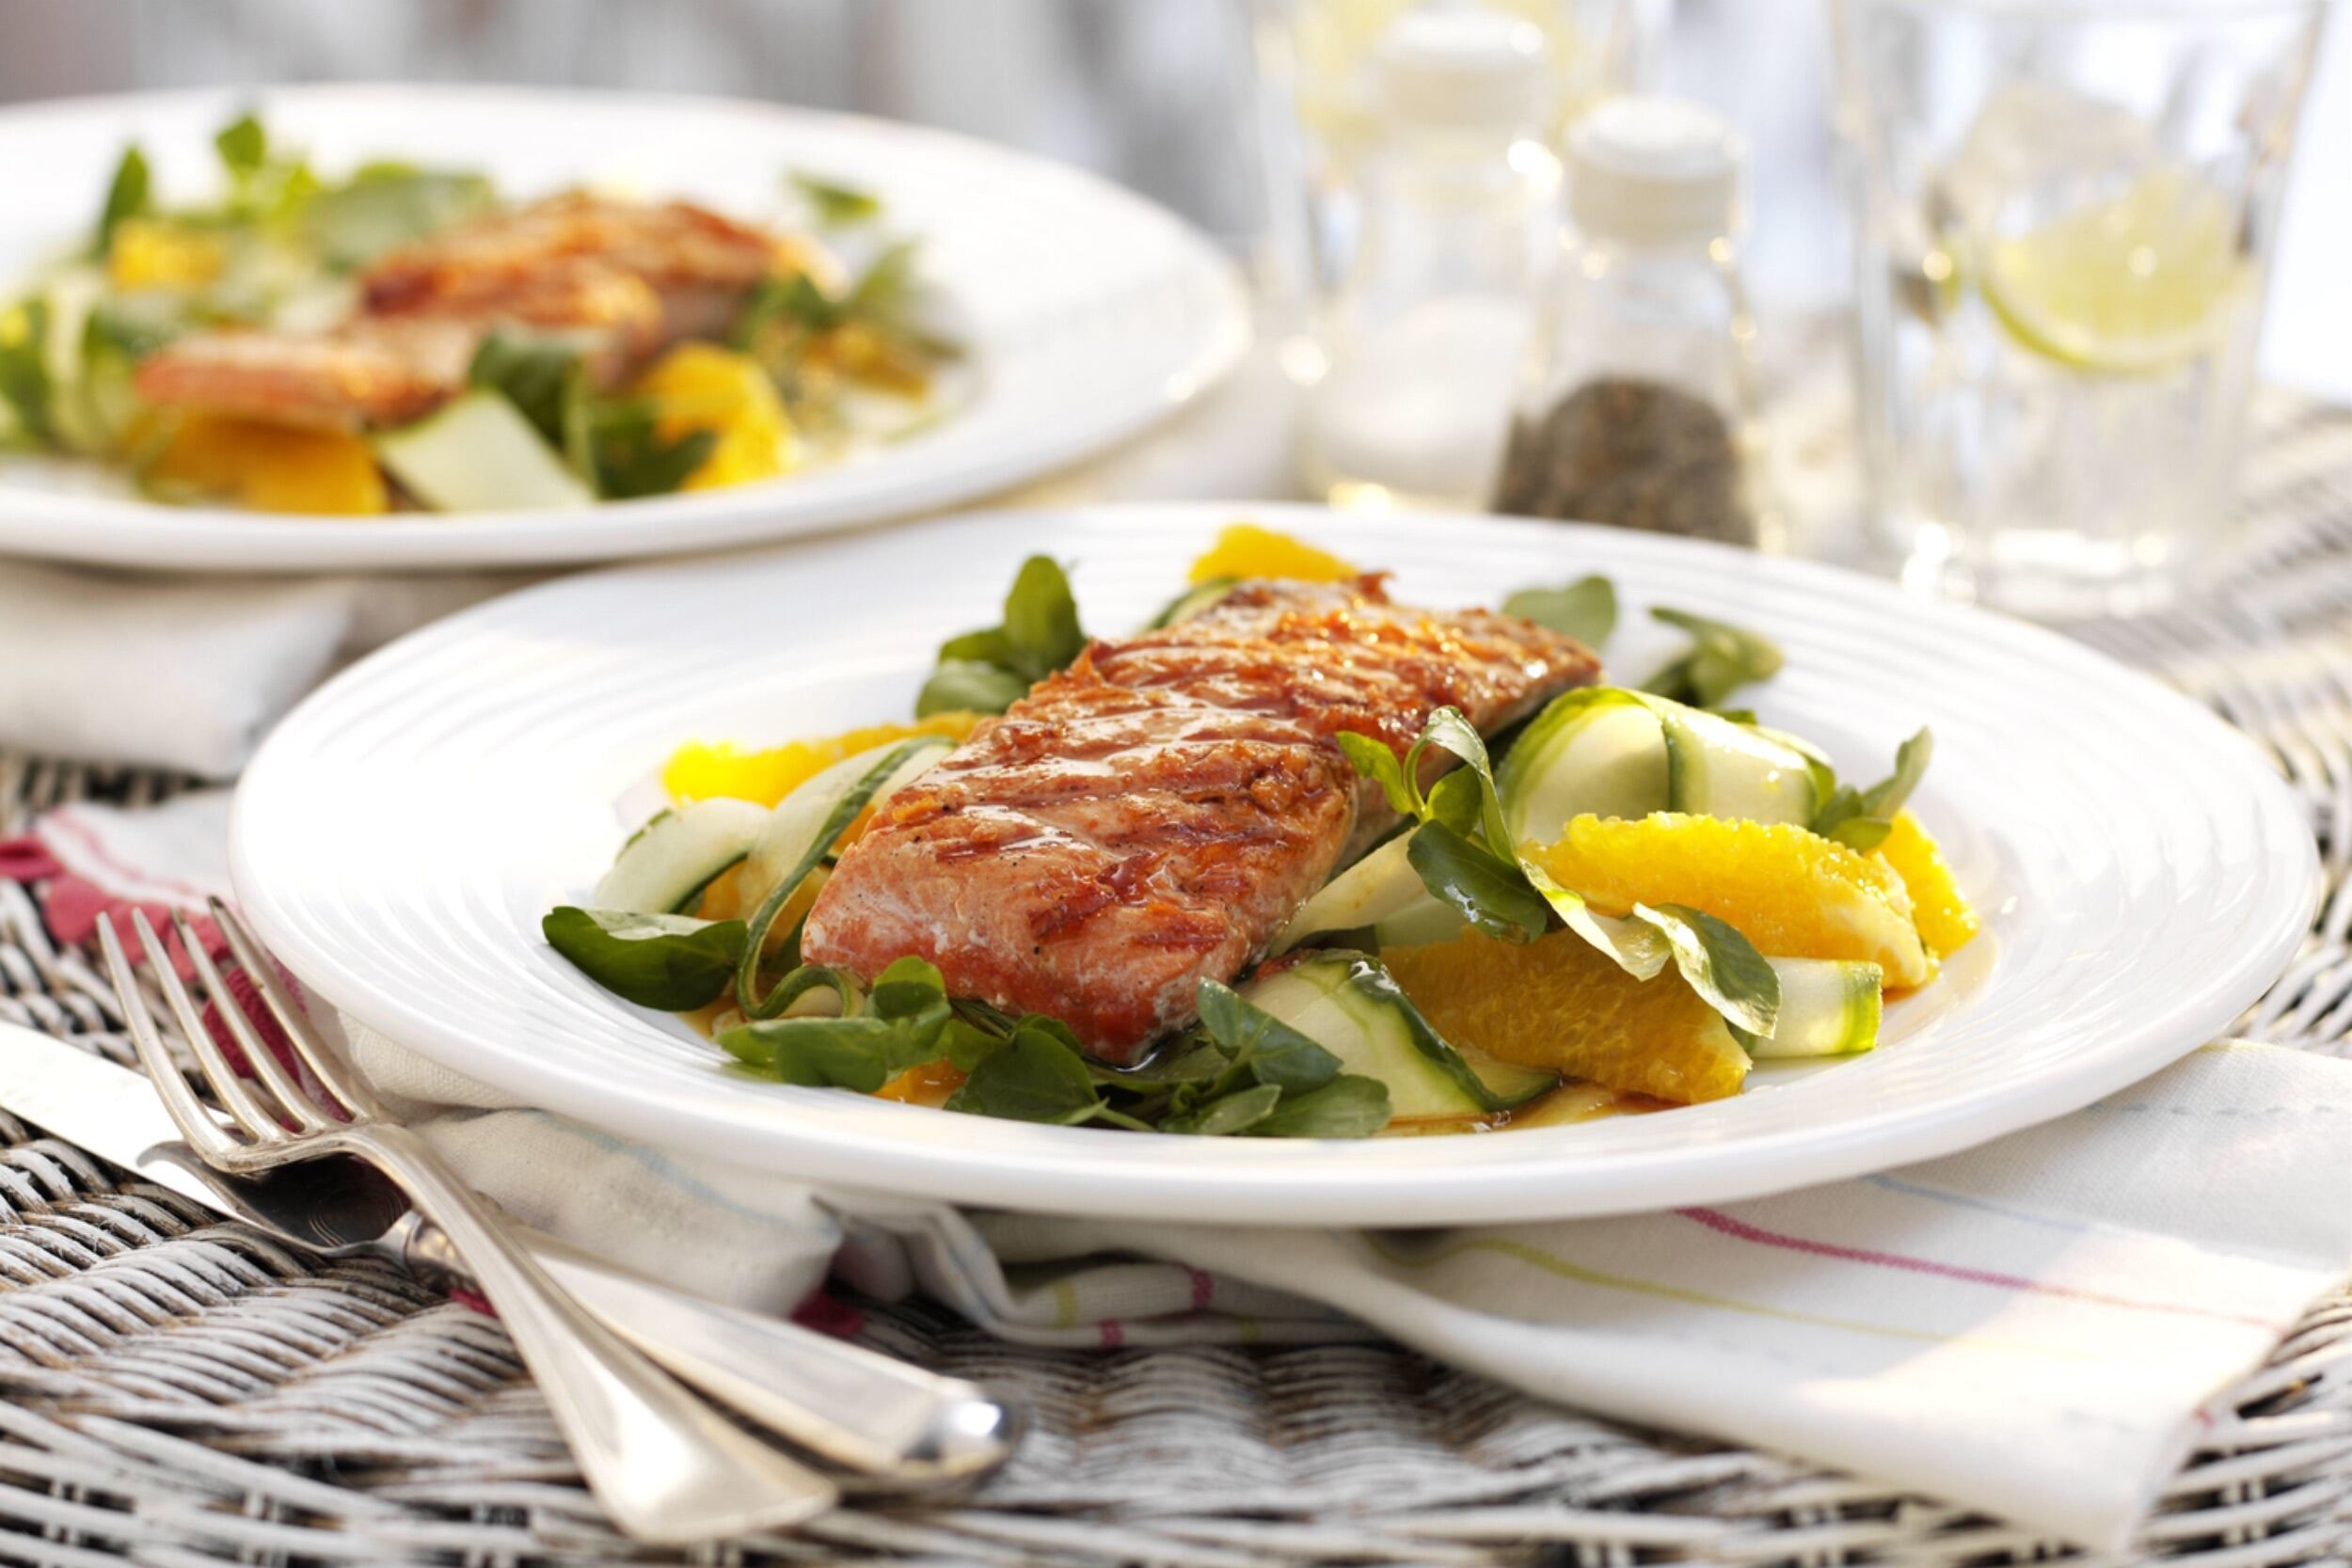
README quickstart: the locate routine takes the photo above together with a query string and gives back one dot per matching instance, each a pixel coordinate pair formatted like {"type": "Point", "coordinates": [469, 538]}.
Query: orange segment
{"type": "Point", "coordinates": [1792, 893]}
{"type": "Point", "coordinates": [272, 467]}
{"type": "Point", "coordinates": [1947, 923]}
{"type": "Point", "coordinates": [700, 768]}
{"type": "Point", "coordinates": [1247, 551]}
{"type": "Point", "coordinates": [1560, 1002]}
{"type": "Point", "coordinates": [928, 1085]}
{"type": "Point", "coordinates": [703, 387]}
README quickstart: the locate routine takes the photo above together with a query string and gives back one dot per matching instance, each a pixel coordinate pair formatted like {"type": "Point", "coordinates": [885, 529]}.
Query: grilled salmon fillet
{"type": "Point", "coordinates": [366, 373]}
{"type": "Point", "coordinates": [1154, 813]}
{"type": "Point", "coordinates": [631, 278]}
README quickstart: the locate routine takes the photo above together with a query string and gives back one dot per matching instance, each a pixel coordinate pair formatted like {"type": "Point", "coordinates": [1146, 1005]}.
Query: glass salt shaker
{"type": "Point", "coordinates": [1424, 335]}
{"type": "Point", "coordinates": [1637, 403]}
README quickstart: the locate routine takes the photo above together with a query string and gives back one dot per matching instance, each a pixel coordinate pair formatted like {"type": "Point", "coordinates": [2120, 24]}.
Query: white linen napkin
{"type": "Point", "coordinates": [2034, 1327]}
{"type": "Point", "coordinates": [186, 673]}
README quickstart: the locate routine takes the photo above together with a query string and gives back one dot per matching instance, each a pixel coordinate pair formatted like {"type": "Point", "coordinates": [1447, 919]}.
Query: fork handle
{"type": "Point", "coordinates": [868, 1412]}
{"type": "Point", "coordinates": [666, 1467]}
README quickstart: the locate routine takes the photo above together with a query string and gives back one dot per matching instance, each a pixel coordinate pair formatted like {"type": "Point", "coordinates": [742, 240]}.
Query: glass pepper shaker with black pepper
{"type": "Point", "coordinates": [1637, 406]}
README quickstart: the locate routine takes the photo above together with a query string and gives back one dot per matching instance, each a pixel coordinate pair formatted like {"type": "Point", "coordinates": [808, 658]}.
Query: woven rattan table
{"type": "Point", "coordinates": [183, 1391]}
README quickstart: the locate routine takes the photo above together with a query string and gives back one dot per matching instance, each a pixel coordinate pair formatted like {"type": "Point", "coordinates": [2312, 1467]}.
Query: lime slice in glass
{"type": "Point", "coordinates": [2130, 286]}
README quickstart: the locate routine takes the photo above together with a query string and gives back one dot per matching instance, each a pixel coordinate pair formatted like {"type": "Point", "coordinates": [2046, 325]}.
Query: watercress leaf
{"type": "Point", "coordinates": [908, 987]}
{"type": "Point", "coordinates": [1450, 730]}
{"type": "Point", "coordinates": [1275, 1054]}
{"type": "Point", "coordinates": [631, 458]}
{"type": "Point", "coordinates": [1885, 797]}
{"type": "Point", "coordinates": [886, 289]}
{"type": "Point", "coordinates": [1036, 1076]}
{"type": "Point", "coordinates": [1585, 610]}
{"type": "Point", "coordinates": [1723, 658]}
{"type": "Point", "coordinates": [1234, 1113]}
{"type": "Point", "coordinates": [1865, 833]}
{"type": "Point", "coordinates": [1456, 800]}
{"type": "Point", "coordinates": [986, 646]}
{"type": "Point", "coordinates": [388, 205]}
{"type": "Point", "coordinates": [243, 144]}
{"type": "Point", "coordinates": [965, 1044]}
{"type": "Point", "coordinates": [24, 380]}
{"type": "Point", "coordinates": [963, 685]}
{"type": "Point", "coordinates": [535, 378]}
{"type": "Point", "coordinates": [126, 196]}
{"type": "Point", "coordinates": [1639, 949]}
{"type": "Point", "coordinates": [666, 961]}
{"type": "Point", "coordinates": [1374, 761]}
{"type": "Point", "coordinates": [1723, 966]}
{"type": "Point", "coordinates": [836, 205]}
{"type": "Point", "coordinates": [1040, 631]}
{"type": "Point", "coordinates": [1349, 1106]}
{"type": "Point", "coordinates": [1199, 1063]}
{"type": "Point", "coordinates": [860, 1054]}
{"type": "Point", "coordinates": [1492, 893]}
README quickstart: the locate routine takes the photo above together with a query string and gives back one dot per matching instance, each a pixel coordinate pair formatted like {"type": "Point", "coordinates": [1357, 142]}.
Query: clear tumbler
{"type": "Point", "coordinates": [2064, 221]}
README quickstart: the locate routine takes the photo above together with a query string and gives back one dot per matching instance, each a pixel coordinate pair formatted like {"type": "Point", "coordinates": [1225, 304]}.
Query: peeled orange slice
{"type": "Point", "coordinates": [1792, 893]}
{"type": "Point", "coordinates": [1247, 551]}
{"type": "Point", "coordinates": [1560, 1002]}
{"type": "Point", "coordinates": [700, 768]}
{"type": "Point", "coordinates": [1946, 922]}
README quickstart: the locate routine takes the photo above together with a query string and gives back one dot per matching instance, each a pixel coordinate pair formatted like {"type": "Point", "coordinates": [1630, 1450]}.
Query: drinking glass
{"type": "Point", "coordinates": [2065, 216]}
{"type": "Point", "coordinates": [1318, 114]}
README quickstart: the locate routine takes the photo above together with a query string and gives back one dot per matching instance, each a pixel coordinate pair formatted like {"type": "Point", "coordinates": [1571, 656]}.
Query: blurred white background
{"type": "Point", "coordinates": [1153, 92]}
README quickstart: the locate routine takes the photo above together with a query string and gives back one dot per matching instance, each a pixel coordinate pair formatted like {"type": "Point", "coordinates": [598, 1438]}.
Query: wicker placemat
{"type": "Point", "coordinates": [182, 1390]}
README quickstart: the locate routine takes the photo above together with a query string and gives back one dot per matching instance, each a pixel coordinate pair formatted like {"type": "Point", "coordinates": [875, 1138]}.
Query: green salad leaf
{"type": "Point", "coordinates": [836, 205]}
{"type": "Point", "coordinates": [631, 458]}
{"type": "Point", "coordinates": [1275, 1054]}
{"type": "Point", "coordinates": [1723, 966]}
{"type": "Point", "coordinates": [1489, 892]}
{"type": "Point", "coordinates": [1585, 610]}
{"type": "Point", "coordinates": [25, 382]}
{"type": "Point", "coordinates": [1349, 1106]}
{"type": "Point", "coordinates": [127, 196]}
{"type": "Point", "coordinates": [667, 962]}
{"type": "Point", "coordinates": [989, 669]}
{"type": "Point", "coordinates": [1723, 658]}
{"type": "Point", "coordinates": [963, 685]}
{"type": "Point", "coordinates": [243, 144]}
{"type": "Point", "coordinates": [384, 205]}
{"type": "Point", "coordinates": [1862, 818]}
{"type": "Point", "coordinates": [1229, 1115]}
{"type": "Point", "coordinates": [1039, 1075]}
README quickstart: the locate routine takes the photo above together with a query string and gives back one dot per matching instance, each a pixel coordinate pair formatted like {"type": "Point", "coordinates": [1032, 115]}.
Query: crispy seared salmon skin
{"type": "Point", "coordinates": [1154, 814]}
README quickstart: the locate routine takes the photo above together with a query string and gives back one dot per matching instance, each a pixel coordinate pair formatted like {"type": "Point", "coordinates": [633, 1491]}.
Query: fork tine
{"type": "Point", "coordinates": [291, 1096]}
{"type": "Point", "coordinates": [204, 1134]}
{"type": "Point", "coordinates": [324, 1062]}
{"type": "Point", "coordinates": [226, 1087]}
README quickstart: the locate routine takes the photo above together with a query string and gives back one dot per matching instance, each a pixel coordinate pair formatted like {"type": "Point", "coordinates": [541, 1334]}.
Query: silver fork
{"type": "Point", "coordinates": [665, 1467]}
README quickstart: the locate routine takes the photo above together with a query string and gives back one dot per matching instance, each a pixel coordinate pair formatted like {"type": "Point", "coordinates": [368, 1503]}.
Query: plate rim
{"type": "Point", "coordinates": [1774, 1160]}
{"type": "Point", "coordinates": [69, 527]}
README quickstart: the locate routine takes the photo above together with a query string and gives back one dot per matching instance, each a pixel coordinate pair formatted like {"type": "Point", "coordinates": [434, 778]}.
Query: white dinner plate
{"type": "Point", "coordinates": [2141, 871]}
{"type": "Point", "coordinates": [1087, 312]}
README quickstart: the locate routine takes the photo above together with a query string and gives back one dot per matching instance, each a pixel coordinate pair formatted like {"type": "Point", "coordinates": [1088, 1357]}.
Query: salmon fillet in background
{"type": "Point", "coordinates": [626, 278]}
{"type": "Point", "coordinates": [1156, 812]}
